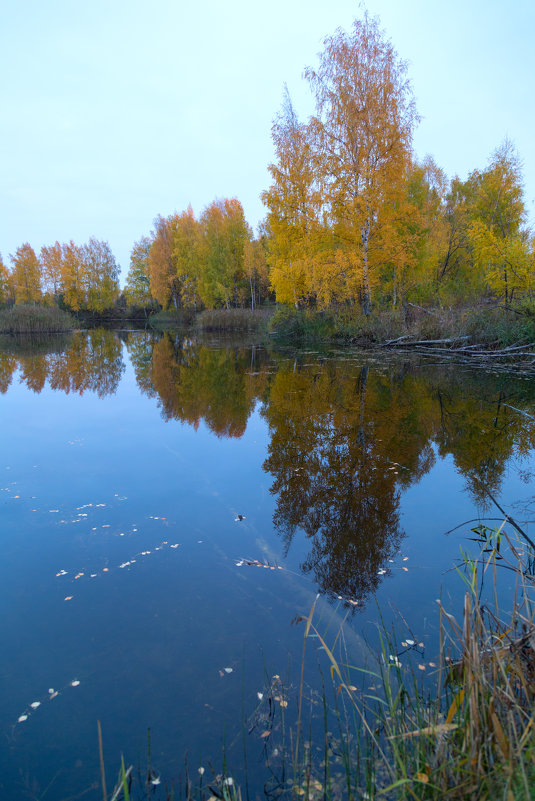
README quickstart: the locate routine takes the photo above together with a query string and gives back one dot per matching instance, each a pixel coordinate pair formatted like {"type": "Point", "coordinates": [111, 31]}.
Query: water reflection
{"type": "Point", "coordinates": [347, 435]}
{"type": "Point", "coordinates": [86, 362]}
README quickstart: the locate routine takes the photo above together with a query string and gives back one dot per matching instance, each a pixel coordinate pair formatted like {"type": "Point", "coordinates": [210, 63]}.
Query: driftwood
{"type": "Point", "coordinates": [402, 341]}
{"type": "Point", "coordinates": [458, 347]}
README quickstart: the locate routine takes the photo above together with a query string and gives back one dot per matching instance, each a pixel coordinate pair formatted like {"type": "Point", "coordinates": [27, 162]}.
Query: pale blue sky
{"type": "Point", "coordinates": [114, 111]}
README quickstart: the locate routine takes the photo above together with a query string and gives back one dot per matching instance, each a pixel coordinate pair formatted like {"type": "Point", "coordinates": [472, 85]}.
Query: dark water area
{"type": "Point", "coordinates": [132, 592]}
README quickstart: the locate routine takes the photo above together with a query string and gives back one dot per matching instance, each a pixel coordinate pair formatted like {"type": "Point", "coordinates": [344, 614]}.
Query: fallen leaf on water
{"type": "Point", "coordinates": [105, 569]}
{"type": "Point", "coordinates": [54, 695]}
{"type": "Point", "coordinates": [410, 642]}
{"type": "Point", "coordinates": [35, 704]}
{"type": "Point", "coordinates": [284, 704]}
{"type": "Point", "coordinates": [406, 569]}
{"type": "Point", "coordinates": [405, 558]}
{"type": "Point", "coordinates": [421, 667]}
{"type": "Point", "coordinates": [441, 728]}
{"type": "Point", "coordinates": [227, 670]}
{"type": "Point", "coordinates": [201, 770]}
{"type": "Point", "coordinates": [75, 683]}
{"type": "Point", "coordinates": [260, 696]}
{"type": "Point", "coordinates": [68, 598]}
{"type": "Point", "coordinates": [265, 733]}
{"type": "Point", "coordinates": [221, 673]}
{"type": "Point", "coordinates": [22, 718]}
{"type": "Point", "coordinates": [422, 777]}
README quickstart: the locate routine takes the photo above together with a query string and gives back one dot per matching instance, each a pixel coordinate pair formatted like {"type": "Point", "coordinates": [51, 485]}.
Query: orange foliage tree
{"type": "Point", "coordinates": [26, 275]}
{"type": "Point", "coordinates": [352, 158]}
{"type": "Point", "coordinates": [4, 282]}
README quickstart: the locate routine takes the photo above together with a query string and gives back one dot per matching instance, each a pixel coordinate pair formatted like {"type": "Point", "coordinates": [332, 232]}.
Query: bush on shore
{"type": "Point", "coordinates": [490, 325]}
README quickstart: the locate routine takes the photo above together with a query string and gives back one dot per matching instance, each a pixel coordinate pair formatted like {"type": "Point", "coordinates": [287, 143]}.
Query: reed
{"type": "Point", "coordinates": [389, 731]}
{"type": "Point", "coordinates": [233, 320]}
{"type": "Point", "coordinates": [35, 320]}
{"type": "Point", "coordinates": [468, 733]}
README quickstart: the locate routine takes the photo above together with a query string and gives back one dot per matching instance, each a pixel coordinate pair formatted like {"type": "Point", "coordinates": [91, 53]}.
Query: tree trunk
{"type": "Point", "coordinates": [364, 237]}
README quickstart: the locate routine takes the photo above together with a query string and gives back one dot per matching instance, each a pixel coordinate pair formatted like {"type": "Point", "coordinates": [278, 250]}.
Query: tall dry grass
{"type": "Point", "coordinates": [35, 320]}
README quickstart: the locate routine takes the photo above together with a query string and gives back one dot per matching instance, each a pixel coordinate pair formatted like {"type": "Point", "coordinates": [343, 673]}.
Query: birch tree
{"type": "Point", "coordinates": [362, 140]}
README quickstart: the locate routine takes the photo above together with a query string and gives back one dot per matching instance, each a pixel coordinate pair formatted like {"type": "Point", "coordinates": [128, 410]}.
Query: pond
{"type": "Point", "coordinates": [169, 506]}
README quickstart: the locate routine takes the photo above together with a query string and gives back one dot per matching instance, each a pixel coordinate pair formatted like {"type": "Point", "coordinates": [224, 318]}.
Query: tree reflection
{"type": "Point", "coordinates": [194, 382]}
{"type": "Point", "coordinates": [345, 442]}
{"type": "Point", "coordinates": [89, 362]}
{"type": "Point", "coordinates": [346, 437]}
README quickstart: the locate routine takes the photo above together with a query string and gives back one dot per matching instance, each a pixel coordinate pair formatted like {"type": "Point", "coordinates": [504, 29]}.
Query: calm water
{"type": "Point", "coordinates": [130, 588]}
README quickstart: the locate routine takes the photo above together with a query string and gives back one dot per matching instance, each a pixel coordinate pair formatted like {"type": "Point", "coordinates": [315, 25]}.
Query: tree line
{"type": "Point", "coordinates": [74, 277]}
{"type": "Point", "coordinates": [190, 263]}
{"type": "Point", "coordinates": [353, 218]}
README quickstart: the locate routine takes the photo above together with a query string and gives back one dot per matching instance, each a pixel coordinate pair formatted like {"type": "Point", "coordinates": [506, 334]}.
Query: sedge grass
{"type": "Point", "coordinates": [389, 731]}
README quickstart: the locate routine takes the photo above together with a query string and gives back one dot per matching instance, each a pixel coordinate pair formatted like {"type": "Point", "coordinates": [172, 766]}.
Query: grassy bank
{"type": "Point", "coordinates": [35, 320]}
{"type": "Point", "coordinates": [461, 726]}
{"type": "Point", "coordinates": [487, 325]}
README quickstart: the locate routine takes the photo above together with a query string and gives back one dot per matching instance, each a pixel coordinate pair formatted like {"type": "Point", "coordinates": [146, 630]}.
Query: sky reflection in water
{"type": "Point", "coordinates": [126, 459]}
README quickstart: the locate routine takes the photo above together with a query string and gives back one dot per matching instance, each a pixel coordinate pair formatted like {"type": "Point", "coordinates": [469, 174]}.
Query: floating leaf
{"type": "Point", "coordinates": [75, 683]}
{"type": "Point", "coordinates": [201, 770]}
{"type": "Point", "coordinates": [441, 728]}
{"type": "Point", "coordinates": [228, 670]}
{"type": "Point", "coordinates": [284, 704]}
{"type": "Point", "coordinates": [411, 642]}
{"type": "Point", "coordinates": [265, 733]}
{"type": "Point", "coordinates": [68, 598]}
{"type": "Point", "coordinates": [260, 696]}
{"type": "Point", "coordinates": [22, 718]}
{"type": "Point", "coordinates": [35, 704]}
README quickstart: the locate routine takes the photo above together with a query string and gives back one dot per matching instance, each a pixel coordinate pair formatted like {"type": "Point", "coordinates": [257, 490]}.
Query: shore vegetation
{"type": "Point", "coordinates": [35, 320]}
